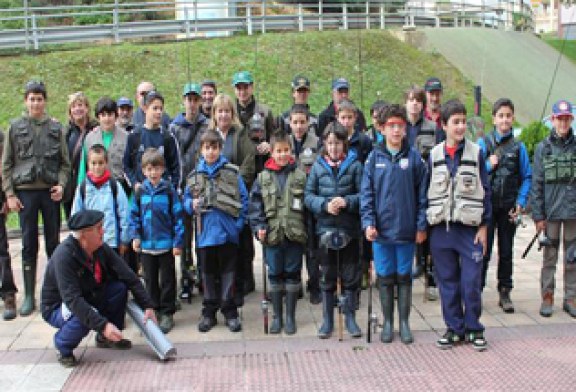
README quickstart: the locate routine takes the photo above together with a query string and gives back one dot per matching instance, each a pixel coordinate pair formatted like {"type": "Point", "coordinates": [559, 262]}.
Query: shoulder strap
{"type": "Point", "coordinates": [83, 190]}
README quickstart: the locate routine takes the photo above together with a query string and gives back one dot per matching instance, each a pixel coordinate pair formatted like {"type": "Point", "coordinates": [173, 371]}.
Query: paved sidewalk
{"type": "Point", "coordinates": [526, 351]}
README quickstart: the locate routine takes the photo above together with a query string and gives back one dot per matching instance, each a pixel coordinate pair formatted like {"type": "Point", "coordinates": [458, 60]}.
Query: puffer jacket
{"type": "Point", "coordinates": [325, 183]}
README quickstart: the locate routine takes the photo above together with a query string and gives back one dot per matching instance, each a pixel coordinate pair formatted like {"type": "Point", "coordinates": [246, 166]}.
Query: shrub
{"type": "Point", "coordinates": [533, 134]}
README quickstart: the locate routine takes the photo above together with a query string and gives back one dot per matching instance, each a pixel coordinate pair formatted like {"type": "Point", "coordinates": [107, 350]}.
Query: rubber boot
{"type": "Point", "coordinates": [291, 300]}
{"type": "Point", "coordinates": [28, 305]}
{"type": "Point", "coordinates": [350, 314]}
{"type": "Point", "coordinates": [327, 326]}
{"type": "Point", "coordinates": [9, 306]}
{"type": "Point", "coordinates": [404, 305]}
{"type": "Point", "coordinates": [386, 287]}
{"type": "Point", "coordinates": [276, 293]}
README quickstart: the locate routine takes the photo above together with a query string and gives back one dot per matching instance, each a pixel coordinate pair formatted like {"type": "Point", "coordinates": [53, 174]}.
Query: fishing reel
{"type": "Point", "coordinates": [374, 322]}
{"type": "Point", "coordinates": [544, 241]}
{"type": "Point", "coordinates": [264, 305]}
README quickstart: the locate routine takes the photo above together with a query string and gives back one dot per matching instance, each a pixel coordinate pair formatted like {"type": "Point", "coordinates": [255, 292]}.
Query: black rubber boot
{"type": "Point", "coordinates": [28, 305]}
{"type": "Point", "coordinates": [276, 293]}
{"type": "Point", "coordinates": [404, 305]}
{"type": "Point", "coordinates": [386, 287]}
{"type": "Point", "coordinates": [291, 300]}
{"type": "Point", "coordinates": [350, 314]}
{"type": "Point", "coordinates": [327, 326]}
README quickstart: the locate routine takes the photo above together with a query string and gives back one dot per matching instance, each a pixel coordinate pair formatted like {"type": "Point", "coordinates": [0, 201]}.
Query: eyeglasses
{"type": "Point", "coordinates": [143, 93]}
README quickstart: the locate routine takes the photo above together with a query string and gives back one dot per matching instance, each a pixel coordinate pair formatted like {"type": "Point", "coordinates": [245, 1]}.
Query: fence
{"type": "Point", "coordinates": [33, 27]}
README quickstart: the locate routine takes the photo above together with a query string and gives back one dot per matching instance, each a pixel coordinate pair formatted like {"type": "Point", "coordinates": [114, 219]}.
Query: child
{"type": "Point", "coordinates": [216, 193]}
{"type": "Point", "coordinates": [332, 194]}
{"type": "Point", "coordinates": [99, 191]}
{"type": "Point", "coordinates": [459, 211]}
{"type": "Point", "coordinates": [553, 202]}
{"type": "Point", "coordinates": [510, 173]}
{"type": "Point", "coordinates": [374, 131]}
{"type": "Point", "coordinates": [277, 219]}
{"type": "Point", "coordinates": [393, 208]}
{"type": "Point", "coordinates": [152, 134]}
{"type": "Point", "coordinates": [7, 287]}
{"type": "Point", "coordinates": [156, 230]}
{"type": "Point", "coordinates": [304, 144]}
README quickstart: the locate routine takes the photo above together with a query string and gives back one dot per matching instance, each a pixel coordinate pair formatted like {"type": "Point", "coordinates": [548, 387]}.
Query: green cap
{"type": "Point", "coordinates": [191, 88]}
{"type": "Point", "coordinates": [242, 77]}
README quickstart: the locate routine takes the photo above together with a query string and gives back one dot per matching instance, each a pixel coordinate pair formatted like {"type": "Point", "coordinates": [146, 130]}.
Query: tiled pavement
{"type": "Point", "coordinates": [527, 352]}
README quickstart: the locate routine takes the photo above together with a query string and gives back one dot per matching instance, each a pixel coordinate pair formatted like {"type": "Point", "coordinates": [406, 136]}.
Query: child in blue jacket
{"type": "Point", "coordinates": [332, 194]}
{"type": "Point", "coordinates": [157, 231]}
{"type": "Point", "coordinates": [216, 194]}
{"type": "Point", "coordinates": [99, 191]}
{"type": "Point", "coordinates": [393, 210]}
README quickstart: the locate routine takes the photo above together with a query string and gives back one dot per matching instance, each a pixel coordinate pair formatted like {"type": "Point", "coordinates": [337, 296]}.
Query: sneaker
{"type": "Point", "coordinates": [234, 324]}
{"type": "Point", "coordinates": [166, 323]}
{"type": "Point", "coordinates": [67, 361]}
{"type": "Point", "coordinates": [207, 323]}
{"type": "Point", "coordinates": [432, 293]}
{"type": "Point", "coordinates": [477, 339]}
{"type": "Point", "coordinates": [449, 339]}
{"type": "Point", "coordinates": [122, 344]}
{"type": "Point", "coordinates": [505, 302]}
{"type": "Point", "coordinates": [9, 307]}
{"type": "Point", "coordinates": [569, 307]}
{"type": "Point", "coordinates": [547, 307]}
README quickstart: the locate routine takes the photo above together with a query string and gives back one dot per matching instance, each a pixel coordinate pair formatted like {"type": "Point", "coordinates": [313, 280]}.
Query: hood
{"type": "Point", "coordinates": [210, 170]}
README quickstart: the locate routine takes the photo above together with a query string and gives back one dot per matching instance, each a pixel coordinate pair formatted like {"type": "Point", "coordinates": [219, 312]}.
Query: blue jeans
{"type": "Point", "coordinates": [284, 262]}
{"type": "Point", "coordinates": [390, 259]}
{"type": "Point", "coordinates": [72, 331]}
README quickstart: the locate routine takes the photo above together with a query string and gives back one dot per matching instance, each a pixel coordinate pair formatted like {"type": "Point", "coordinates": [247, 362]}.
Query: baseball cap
{"type": "Point", "coordinates": [562, 108]}
{"type": "Point", "coordinates": [123, 101]}
{"type": "Point", "coordinates": [35, 86]}
{"type": "Point", "coordinates": [208, 82]}
{"type": "Point", "coordinates": [433, 84]}
{"type": "Point", "coordinates": [299, 82]}
{"type": "Point", "coordinates": [339, 83]}
{"type": "Point", "coordinates": [191, 88]}
{"type": "Point", "coordinates": [242, 77]}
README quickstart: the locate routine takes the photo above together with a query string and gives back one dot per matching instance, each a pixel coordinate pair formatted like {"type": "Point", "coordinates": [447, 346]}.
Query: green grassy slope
{"type": "Point", "coordinates": [388, 67]}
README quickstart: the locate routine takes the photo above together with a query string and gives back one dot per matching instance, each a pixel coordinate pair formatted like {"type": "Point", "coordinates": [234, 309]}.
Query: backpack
{"type": "Point", "coordinates": [114, 188]}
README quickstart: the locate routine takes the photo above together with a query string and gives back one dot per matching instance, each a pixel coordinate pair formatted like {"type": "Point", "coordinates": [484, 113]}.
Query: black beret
{"type": "Point", "coordinates": [85, 218]}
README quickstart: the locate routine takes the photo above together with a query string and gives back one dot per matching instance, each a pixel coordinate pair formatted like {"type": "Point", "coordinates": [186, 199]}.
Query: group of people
{"type": "Point", "coordinates": [410, 192]}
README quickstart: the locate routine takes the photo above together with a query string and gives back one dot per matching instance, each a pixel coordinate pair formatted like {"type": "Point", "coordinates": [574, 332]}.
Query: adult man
{"type": "Point", "coordinates": [187, 128]}
{"type": "Point", "coordinates": [208, 92]}
{"type": "Point", "coordinates": [300, 93]}
{"type": "Point", "coordinates": [125, 113]}
{"type": "Point", "coordinates": [340, 92]}
{"type": "Point", "coordinates": [139, 117]}
{"type": "Point", "coordinates": [35, 170]}
{"type": "Point", "coordinates": [85, 288]}
{"type": "Point", "coordinates": [433, 88]}
{"type": "Point", "coordinates": [247, 106]}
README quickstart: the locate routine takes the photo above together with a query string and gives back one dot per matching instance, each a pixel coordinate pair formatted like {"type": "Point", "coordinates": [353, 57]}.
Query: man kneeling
{"type": "Point", "coordinates": [85, 288]}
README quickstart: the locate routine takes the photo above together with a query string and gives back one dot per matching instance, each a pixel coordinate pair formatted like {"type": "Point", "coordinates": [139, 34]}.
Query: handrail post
{"type": "Point", "coordinates": [382, 16]}
{"type": "Point", "coordinates": [367, 15]}
{"type": "Point", "coordinates": [300, 18]}
{"type": "Point", "coordinates": [320, 14]}
{"type": "Point", "coordinates": [263, 19]}
{"type": "Point", "coordinates": [249, 18]}
{"type": "Point", "coordinates": [115, 22]}
{"type": "Point", "coordinates": [345, 15]}
{"type": "Point", "coordinates": [187, 21]}
{"type": "Point", "coordinates": [35, 33]}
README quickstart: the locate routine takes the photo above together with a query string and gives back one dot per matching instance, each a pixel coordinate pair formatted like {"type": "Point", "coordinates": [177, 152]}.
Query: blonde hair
{"type": "Point", "coordinates": [78, 96]}
{"type": "Point", "coordinates": [223, 100]}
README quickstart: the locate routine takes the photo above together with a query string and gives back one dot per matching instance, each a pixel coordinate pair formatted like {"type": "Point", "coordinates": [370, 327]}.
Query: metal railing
{"type": "Point", "coordinates": [33, 27]}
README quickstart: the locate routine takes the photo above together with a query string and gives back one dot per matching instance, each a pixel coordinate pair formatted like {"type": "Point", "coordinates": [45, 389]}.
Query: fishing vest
{"type": "Point", "coordinates": [558, 168]}
{"type": "Point", "coordinates": [308, 151]}
{"type": "Point", "coordinates": [459, 198]}
{"type": "Point", "coordinates": [220, 192]}
{"type": "Point", "coordinates": [426, 138]}
{"type": "Point", "coordinates": [284, 211]}
{"type": "Point", "coordinates": [115, 150]}
{"type": "Point", "coordinates": [505, 180]}
{"type": "Point", "coordinates": [36, 157]}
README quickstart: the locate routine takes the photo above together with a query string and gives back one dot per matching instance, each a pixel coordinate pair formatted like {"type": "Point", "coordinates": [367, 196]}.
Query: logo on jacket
{"type": "Point", "coordinates": [404, 163]}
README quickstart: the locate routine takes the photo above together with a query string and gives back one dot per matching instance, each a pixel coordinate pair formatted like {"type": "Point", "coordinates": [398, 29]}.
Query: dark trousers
{"type": "Point", "coordinates": [72, 331]}
{"type": "Point", "coordinates": [458, 275]}
{"type": "Point", "coordinates": [35, 201]}
{"type": "Point", "coordinates": [244, 268]}
{"type": "Point", "coordinates": [284, 262]}
{"type": "Point", "coordinates": [218, 264]}
{"type": "Point", "coordinates": [187, 258]}
{"type": "Point", "coordinates": [506, 231]}
{"type": "Point", "coordinates": [311, 254]}
{"type": "Point", "coordinates": [7, 285]}
{"type": "Point", "coordinates": [422, 253]}
{"type": "Point", "coordinates": [160, 277]}
{"type": "Point", "coordinates": [350, 266]}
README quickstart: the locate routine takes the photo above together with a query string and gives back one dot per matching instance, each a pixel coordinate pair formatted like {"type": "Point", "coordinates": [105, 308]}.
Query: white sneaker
{"type": "Point", "coordinates": [432, 293]}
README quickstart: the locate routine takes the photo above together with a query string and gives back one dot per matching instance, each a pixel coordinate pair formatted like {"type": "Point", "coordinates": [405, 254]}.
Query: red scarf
{"type": "Point", "coordinates": [332, 163]}
{"type": "Point", "coordinates": [451, 150]}
{"type": "Point", "coordinates": [271, 164]}
{"type": "Point", "coordinates": [99, 181]}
